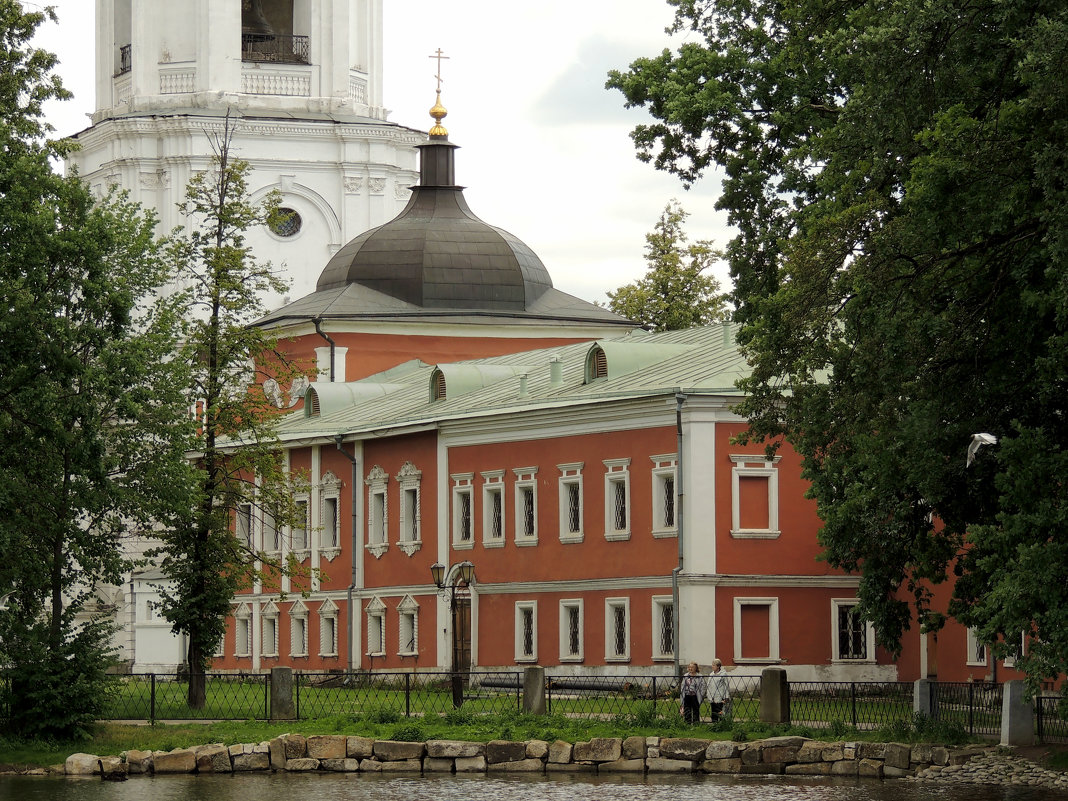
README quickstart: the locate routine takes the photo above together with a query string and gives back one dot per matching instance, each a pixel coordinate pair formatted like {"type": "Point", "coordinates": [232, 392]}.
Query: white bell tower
{"type": "Point", "coordinates": [303, 79]}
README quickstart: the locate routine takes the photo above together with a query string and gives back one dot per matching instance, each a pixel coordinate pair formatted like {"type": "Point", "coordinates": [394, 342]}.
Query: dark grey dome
{"type": "Point", "coordinates": [437, 254]}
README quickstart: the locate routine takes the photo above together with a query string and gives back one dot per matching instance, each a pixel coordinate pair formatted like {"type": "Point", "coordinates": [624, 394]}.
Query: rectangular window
{"type": "Point", "coordinates": [330, 523]}
{"type": "Point", "coordinates": [977, 655]}
{"type": "Point", "coordinates": [664, 467]}
{"type": "Point", "coordinates": [244, 524]}
{"type": "Point", "coordinates": [571, 635]}
{"type": "Point", "coordinates": [300, 526]}
{"type": "Point", "coordinates": [526, 505]}
{"type": "Point", "coordinates": [617, 629]}
{"type": "Point", "coordinates": [463, 510]}
{"type": "Point", "coordinates": [754, 497]}
{"type": "Point", "coordinates": [493, 509]}
{"type": "Point", "coordinates": [411, 515]}
{"type": "Point", "coordinates": [376, 634]}
{"type": "Point", "coordinates": [617, 501]}
{"type": "Point", "coordinates": [663, 628]}
{"type": "Point", "coordinates": [298, 641]}
{"type": "Point", "coordinates": [272, 537]}
{"type": "Point", "coordinates": [328, 636]}
{"type": "Point", "coordinates": [242, 637]}
{"type": "Point", "coordinates": [853, 636]}
{"type": "Point", "coordinates": [571, 511]}
{"type": "Point", "coordinates": [378, 518]}
{"type": "Point", "coordinates": [756, 630]}
{"type": "Point", "coordinates": [407, 634]}
{"type": "Point", "coordinates": [270, 636]}
{"type": "Point", "coordinates": [526, 631]}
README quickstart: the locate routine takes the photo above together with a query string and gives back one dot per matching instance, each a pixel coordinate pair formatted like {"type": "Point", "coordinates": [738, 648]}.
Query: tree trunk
{"type": "Point", "coordinates": [197, 683]}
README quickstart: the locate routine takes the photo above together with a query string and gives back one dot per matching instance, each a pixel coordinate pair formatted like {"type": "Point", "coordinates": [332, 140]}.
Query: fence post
{"type": "Point", "coordinates": [407, 695]}
{"type": "Point", "coordinates": [853, 701]}
{"type": "Point", "coordinates": [534, 690]}
{"type": "Point", "coordinates": [282, 707]}
{"type": "Point", "coordinates": [774, 696]}
{"type": "Point", "coordinates": [549, 696]}
{"type": "Point", "coordinates": [653, 688]}
{"type": "Point", "coordinates": [1017, 715]}
{"type": "Point", "coordinates": [971, 708]}
{"type": "Point", "coordinates": [921, 698]}
{"type": "Point", "coordinates": [152, 698]}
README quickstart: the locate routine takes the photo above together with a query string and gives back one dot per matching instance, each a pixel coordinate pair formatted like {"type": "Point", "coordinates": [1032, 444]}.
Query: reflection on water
{"type": "Point", "coordinates": [375, 787]}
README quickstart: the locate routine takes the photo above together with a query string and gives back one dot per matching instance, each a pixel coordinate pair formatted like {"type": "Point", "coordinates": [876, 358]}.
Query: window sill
{"type": "Point", "coordinates": [666, 533]}
{"type": "Point", "coordinates": [757, 660]}
{"type": "Point", "coordinates": [572, 659]}
{"type": "Point", "coordinates": [300, 554]}
{"type": "Point", "coordinates": [376, 549]}
{"type": "Point", "coordinates": [572, 537]}
{"type": "Point", "coordinates": [463, 545]}
{"type": "Point", "coordinates": [526, 542]}
{"type": "Point", "coordinates": [864, 661]}
{"type": "Point", "coordinates": [617, 536]}
{"type": "Point", "coordinates": [617, 659]}
{"type": "Point", "coordinates": [493, 543]}
{"type": "Point", "coordinates": [330, 554]}
{"type": "Point", "coordinates": [526, 660]}
{"type": "Point", "coordinates": [755, 534]}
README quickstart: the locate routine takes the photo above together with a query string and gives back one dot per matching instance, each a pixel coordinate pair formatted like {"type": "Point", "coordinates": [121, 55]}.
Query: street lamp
{"type": "Point", "coordinates": [462, 574]}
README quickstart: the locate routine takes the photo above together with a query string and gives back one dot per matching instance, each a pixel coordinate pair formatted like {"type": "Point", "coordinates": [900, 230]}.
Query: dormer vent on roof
{"type": "Point", "coordinates": [608, 359]}
{"type": "Point", "coordinates": [327, 398]}
{"type": "Point", "coordinates": [456, 380]}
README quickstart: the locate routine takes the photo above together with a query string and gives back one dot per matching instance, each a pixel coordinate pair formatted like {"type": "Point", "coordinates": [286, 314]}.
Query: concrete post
{"type": "Point", "coordinates": [282, 704]}
{"type": "Point", "coordinates": [921, 698]}
{"type": "Point", "coordinates": [1017, 715]}
{"type": "Point", "coordinates": [534, 690]}
{"type": "Point", "coordinates": [774, 696]}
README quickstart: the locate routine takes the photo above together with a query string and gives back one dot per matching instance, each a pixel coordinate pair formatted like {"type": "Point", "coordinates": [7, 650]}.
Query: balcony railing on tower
{"type": "Point", "coordinates": [125, 61]}
{"type": "Point", "coordinates": [275, 48]}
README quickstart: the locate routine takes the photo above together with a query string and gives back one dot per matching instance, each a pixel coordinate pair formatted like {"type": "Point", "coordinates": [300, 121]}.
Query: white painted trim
{"type": "Point", "coordinates": [869, 639]}
{"type": "Point", "coordinates": [617, 472]}
{"type": "Point", "coordinates": [657, 629]}
{"type": "Point", "coordinates": [521, 607]}
{"type": "Point", "coordinates": [564, 629]}
{"type": "Point", "coordinates": [610, 605]}
{"type": "Point", "coordinates": [768, 469]}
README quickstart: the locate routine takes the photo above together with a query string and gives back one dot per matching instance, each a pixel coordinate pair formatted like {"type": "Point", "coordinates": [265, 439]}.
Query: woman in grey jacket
{"type": "Point", "coordinates": [719, 691]}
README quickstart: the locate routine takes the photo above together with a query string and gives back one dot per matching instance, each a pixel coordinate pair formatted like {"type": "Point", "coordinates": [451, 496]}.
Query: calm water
{"type": "Point", "coordinates": [356, 787]}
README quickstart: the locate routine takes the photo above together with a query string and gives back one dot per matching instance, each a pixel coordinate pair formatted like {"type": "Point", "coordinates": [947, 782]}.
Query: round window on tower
{"type": "Point", "coordinates": [288, 224]}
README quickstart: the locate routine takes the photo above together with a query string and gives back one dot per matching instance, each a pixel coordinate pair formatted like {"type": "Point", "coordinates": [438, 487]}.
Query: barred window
{"type": "Point", "coordinates": [574, 508]}
{"type": "Point", "coordinates": [616, 497]}
{"type": "Point", "coordinates": [526, 631]}
{"type": "Point", "coordinates": [617, 629]}
{"type": "Point", "coordinates": [663, 628]}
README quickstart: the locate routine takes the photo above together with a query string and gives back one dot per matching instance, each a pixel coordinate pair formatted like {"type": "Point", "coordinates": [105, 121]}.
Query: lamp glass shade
{"type": "Point", "coordinates": [437, 570]}
{"type": "Point", "coordinates": [466, 571]}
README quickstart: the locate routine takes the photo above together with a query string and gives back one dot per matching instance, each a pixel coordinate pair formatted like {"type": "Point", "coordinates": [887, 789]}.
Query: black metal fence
{"type": "Point", "coordinates": [975, 706]}
{"type": "Point", "coordinates": [1050, 727]}
{"type": "Point", "coordinates": [861, 705]}
{"type": "Point", "coordinates": [158, 696]}
{"type": "Point", "coordinates": [277, 48]}
{"type": "Point", "coordinates": [405, 694]}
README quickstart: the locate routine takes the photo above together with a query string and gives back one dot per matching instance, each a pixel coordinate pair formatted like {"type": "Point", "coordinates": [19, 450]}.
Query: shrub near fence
{"type": "Point", "coordinates": [405, 694]}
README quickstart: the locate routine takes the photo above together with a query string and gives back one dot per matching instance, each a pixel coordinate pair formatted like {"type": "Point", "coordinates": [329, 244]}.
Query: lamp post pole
{"type": "Point", "coordinates": [447, 583]}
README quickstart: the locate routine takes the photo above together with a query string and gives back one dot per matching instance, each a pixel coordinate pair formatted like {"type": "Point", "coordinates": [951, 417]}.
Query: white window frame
{"type": "Point", "coordinates": [665, 467]}
{"type": "Point", "coordinates": [377, 482]}
{"type": "Point", "coordinates": [974, 646]}
{"type": "Point", "coordinates": [298, 629]}
{"type": "Point", "coordinates": [269, 644]}
{"type": "Point", "coordinates": [408, 627]}
{"type": "Point", "coordinates": [244, 524]}
{"type": "Point", "coordinates": [493, 485]}
{"type": "Point", "coordinates": [269, 528]}
{"type": "Point", "coordinates": [330, 516]}
{"type": "Point", "coordinates": [375, 614]}
{"type": "Point", "coordinates": [301, 549]}
{"type": "Point", "coordinates": [1010, 661]}
{"type": "Point", "coordinates": [328, 615]}
{"type": "Point", "coordinates": [755, 466]}
{"type": "Point", "coordinates": [463, 485]}
{"type": "Point", "coordinates": [570, 475]}
{"type": "Point", "coordinates": [409, 479]}
{"type": "Point", "coordinates": [869, 635]}
{"type": "Point", "coordinates": [617, 475]}
{"type": "Point", "coordinates": [773, 631]}
{"type": "Point", "coordinates": [525, 482]}
{"type": "Point", "coordinates": [522, 609]}
{"type": "Point", "coordinates": [243, 632]}
{"type": "Point", "coordinates": [566, 605]}
{"type": "Point", "coordinates": [610, 606]}
{"type": "Point", "coordinates": [660, 603]}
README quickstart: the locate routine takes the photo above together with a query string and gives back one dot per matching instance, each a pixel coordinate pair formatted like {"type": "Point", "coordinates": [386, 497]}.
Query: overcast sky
{"type": "Point", "coordinates": [545, 147]}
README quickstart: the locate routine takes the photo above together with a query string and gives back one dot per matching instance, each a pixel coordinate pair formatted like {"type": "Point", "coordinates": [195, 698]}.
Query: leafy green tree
{"type": "Point", "coordinates": [897, 175]}
{"type": "Point", "coordinates": [91, 430]}
{"type": "Point", "coordinates": [237, 459]}
{"type": "Point", "coordinates": [675, 291]}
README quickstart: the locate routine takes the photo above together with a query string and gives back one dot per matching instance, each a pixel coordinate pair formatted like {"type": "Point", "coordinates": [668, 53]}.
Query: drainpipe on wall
{"type": "Point", "coordinates": [680, 494]}
{"type": "Point", "coordinates": [355, 534]}
{"type": "Point", "coordinates": [324, 335]}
